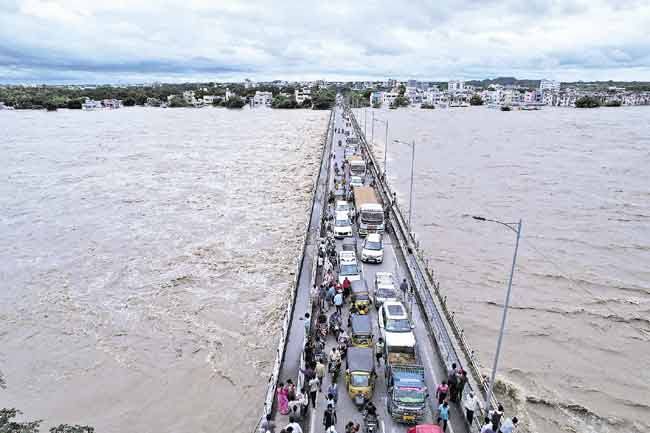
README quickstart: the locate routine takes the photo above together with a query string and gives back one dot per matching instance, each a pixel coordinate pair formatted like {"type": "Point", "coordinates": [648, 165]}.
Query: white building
{"type": "Point", "coordinates": [549, 85]}
{"type": "Point", "coordinates": [189, 97]}
{"type": "Point", "coordinates": [229, 94]}
{"type": "Point", "coordinates": [376, 98]}
{"type": "Point", "coordinates": [248, 84]}
{"type": "Point", "coordinates": [262, 99]}
{"type": "Point", "coordinates": [436, 98]}
{"type": "Point", "coordinates": [302, 94]}
{"type": "Point", "coordinates": [389, 97]}
{"type": "Point", "coordinates": [456, 86]}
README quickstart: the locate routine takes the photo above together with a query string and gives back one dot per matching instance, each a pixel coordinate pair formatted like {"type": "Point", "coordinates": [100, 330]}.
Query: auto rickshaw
{"type": "Point", "coordinates": [360, 374]}
{"type": "Point", "coordinates": [360, 296]}
{"type": "Point", "coordinates": [361, 330]}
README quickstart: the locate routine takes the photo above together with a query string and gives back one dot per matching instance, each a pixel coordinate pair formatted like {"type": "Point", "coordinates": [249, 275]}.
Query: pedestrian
{"type": "Point", "coordinates": [314, 384]}
{"type": "Point", "coordinates": [495, 417]}
{"type": "Point", "coordinates": [293, 425]}
{"type": "Point", "coordinates": [338, 302]}
{"type": "Point", "coordinates": [462, 381]}
{"type": "Point", "coordinates": [471, 404]}
{"type": "Point", "coordinates": [302, 401]}
{"type": "Point", "coordinates": [404, 286]}
{"type": "Point", "coordinates": [267, 426]}
{"type": "Point", "coordinates": [307, 324]}
{"type": "Point", "coordinates": [346, 287]}
{"type": "Point", "coordinates": [283, 401]}
{"type": "Point", "coordinates": [329, 417]}
{"type": "Point", "coordinates": [349, 427]}
{"type": "Point", "coordinates": [330, 401]}
{"type": "Point", "coordinates": [291, 390]}
{"type": "Point", "coordinates": [320, 373]}
{"type": "Point", "coordinates": [331, 293]}
{"type": "Point", "coordinates": [333, 390]}
{"type": "Point", "coordinates": [309, 351]}
{"type": "Point", "coordinates": [442, 391]}
{"type": "Point", "coordinates": [487, 426]}
{"type": "Point", "coordinates": [322, 293]}
{"type": "Point", "coordinates": [508, 425]}
{"type": "Point", "coordinates": [443, 415]}
{"type": "Point", "coordinates": [379, 349]}
{"type": "Point", "coordinates": [452, 381]}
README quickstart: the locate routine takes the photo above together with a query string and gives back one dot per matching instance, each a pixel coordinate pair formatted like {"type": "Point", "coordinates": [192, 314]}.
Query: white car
{"type": "Point", "coordinates": [342, 225]}
{"type": "Point", "coordinates": [348, 266]}
{"type": "Point", "coordinates": [356, 181]}
{"type": "Point", "coordinates": [385, 289]}
{"type": "Point", "coordinates": [373, 249]}
{"type": "Point", "coordinates": [394, 325]}
{"type": "Point", "coordinates": [343, 206]}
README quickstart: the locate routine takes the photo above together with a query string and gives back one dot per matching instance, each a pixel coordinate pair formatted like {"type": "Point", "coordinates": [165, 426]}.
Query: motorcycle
{"type": "Point", "coordinates": [370, 423]}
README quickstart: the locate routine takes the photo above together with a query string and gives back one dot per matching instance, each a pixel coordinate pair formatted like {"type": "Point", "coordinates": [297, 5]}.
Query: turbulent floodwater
{"type": "Point", "coordinates": [577, 352]}
{"type": "Point", "coordinates": [144, 259]}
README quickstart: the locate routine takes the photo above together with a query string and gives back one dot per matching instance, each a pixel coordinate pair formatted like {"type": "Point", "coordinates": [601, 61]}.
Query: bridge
{"type": "Point", "coordinates": [440, 340]}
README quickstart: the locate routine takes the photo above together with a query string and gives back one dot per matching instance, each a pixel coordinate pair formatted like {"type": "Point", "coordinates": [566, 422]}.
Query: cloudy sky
{"type": "Point", "coordinates": [217, 40]}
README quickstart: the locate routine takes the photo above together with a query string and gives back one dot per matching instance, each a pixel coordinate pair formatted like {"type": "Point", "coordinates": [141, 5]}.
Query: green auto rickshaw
{"type": "Point", "coordinates": [361, 330]}
{"type": "Point", "coordinates": [360, 296]}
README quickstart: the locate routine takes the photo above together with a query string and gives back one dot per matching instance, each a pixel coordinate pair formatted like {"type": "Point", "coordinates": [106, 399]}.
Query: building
{"type": "Point", "coordinates": [262, 99]}
{"type": "Point", "coordinates": [302, 94]}
{"type": "Point", "coordinates": [208, 99]}
{"type": "Point", "coordinates": [376, 98]}
{"type": "Point", "coordinates": [389, 97]}
{"type": "Point", "coordinates": [456, 86]}
{"type": "Point", "coordinates": [229, 94]}
{"type": "Point", "coordinates": [189, 97]}
{"type": "Point", "coordinates": [248, 84]}
{"type": "Point", "coordinates": [549, 85]}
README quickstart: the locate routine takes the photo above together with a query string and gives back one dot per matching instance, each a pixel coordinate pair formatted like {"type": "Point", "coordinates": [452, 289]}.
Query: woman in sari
{"type": "Point", "coordinates": [283, 400]}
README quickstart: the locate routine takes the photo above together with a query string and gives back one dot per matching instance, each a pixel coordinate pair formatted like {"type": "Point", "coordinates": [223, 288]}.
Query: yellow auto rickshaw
{"type": "Point", "coordinates": [360, 330]}
{"type": "Point", "coordinates": [360, 374]}
{"type": "Point", "coordinates": [360, 296]}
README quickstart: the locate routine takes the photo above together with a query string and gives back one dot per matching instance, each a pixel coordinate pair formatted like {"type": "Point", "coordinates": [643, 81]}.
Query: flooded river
{"type": "Point", "coordinates": [145, 258]}
{"type": "Point", "coordinates": [576, 356]}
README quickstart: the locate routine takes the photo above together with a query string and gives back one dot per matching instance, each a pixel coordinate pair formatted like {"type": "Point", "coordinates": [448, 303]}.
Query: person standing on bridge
{"type": "Point", "coordinates": [508, 425]}
{"type": "Point", "coordinates": [452, 381]}
{"type": "Point", "coordinates": [462, 381]}
{"type": "Point", "coordinates": [495, 417]}
{"type": "Point", "coordinates": [443, 415]}
{"type": "Point", "coordinates": [404, 287]}
{"type": "Point", "coordinates": [442, 391]}
{"type": "Point", "coordinates": [293, 426]}
{"type": "Point", "coordinates": [329, 417]}
{"type": "Point", "coordinates": [283, 401]}
{"type": "Point", "coordinates": [471, 404]}
{"type": "Point", "coordinates": [314, 384]}
{"type": "Point", "coordinates": [338, 302]}
{"type": "Point", "coordinates": [379, 349]}
{"type": "Point", "coordinates": [267, 426]}
{"type": "Point", "coordinates": [320, 373]}
{"type": "Point", "coordinates": [346, 288]}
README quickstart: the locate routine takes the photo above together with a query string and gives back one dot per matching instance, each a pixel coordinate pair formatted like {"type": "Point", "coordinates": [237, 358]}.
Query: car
{"type": "Point", "coordinates": [343, 206]}
{"type": "Point", "coordinates": [342, 225]}
{"type": "Point", "coordinates": [356, 181]}
{"type": "Point", "coordinates": [349, 151]}
{"type": "Point", "coordinates": [348, 266]}
{"type": "Point", "coordinates": [394, 324]}
{"type": "Point", "coordinates": [373, 249]}
{"type": "Point", "coordinates": [385, 289]}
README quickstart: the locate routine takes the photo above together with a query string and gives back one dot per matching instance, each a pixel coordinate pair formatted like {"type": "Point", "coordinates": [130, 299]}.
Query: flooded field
{"type": "Point", "coordinates": [144, 259]}
{"type": "Point", "coordinates": [576, 356]}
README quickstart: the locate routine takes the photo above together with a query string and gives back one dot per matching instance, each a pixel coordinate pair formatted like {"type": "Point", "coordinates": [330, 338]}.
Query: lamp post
{"type": "Point", "coordinates": [412, 166]}
{"type": "Point", "coordinates": [385, 122]}
{"type": "Point", "coordinates": [515, 227]}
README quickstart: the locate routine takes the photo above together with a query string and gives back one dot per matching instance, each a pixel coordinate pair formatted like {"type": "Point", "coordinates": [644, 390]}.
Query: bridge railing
{"type": "Point", "coordinates": [424, 284]}
{"type": "Point", "coordinates": [289, 312]}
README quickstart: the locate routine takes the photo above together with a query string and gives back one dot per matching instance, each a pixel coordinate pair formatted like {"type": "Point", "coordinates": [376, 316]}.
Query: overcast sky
{"type": "Point", "coordinates": [217, 40]}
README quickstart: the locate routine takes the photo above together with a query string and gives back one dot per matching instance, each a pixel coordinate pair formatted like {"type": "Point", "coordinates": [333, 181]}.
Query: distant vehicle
{"type": "Point", "coordinates": [349, 152]}
{"type": "Point", "coordinates": [394, 324]}
{"type": "Point", "coordinates": [370, 213]}
{"type": "Point", "coordinates": [343, 206]}
{"type": "Point", "coordinates": [356, 181]}
{"type": "Point", "coordinates": [350, 244]}
{"type": "Point", "coordinates": [342, 225]}
{"type": "Point", "coordinates": [357, 166]}
{"type": "Point", "coordinates": [348, 266]}
{"type": "Point", "coordinates": [373, 249]}
{"type": "Point", "coordinates": [340, 194]}
{"type": "Point", "coordinates": [385, 289]}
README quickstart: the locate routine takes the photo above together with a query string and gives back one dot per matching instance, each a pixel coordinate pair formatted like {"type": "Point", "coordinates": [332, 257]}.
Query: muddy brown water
{"type": "Point", "coordinates": [145, 258]}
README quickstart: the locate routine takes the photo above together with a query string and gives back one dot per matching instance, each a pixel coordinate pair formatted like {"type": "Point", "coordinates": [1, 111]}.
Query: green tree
{"type": "Point", "coordinates": [129, 102]}
{"type": "Point", "coordinates": [476, 100]}
{"type": "Point", "coordinates": [74, 104]}
{"type": "Point", "coordinates": [402, 89]}
{"type": "Point", "coordinates": [235, 102]}
{"type": "Point", "coordinates": [51, 106]}
{"type": "Point", "coordinates": [306, 103]}
{"type": "Point", "coordinates": [400, 101]}
{"type": "Point", "coordinates": [9, 426]}
{"type": "Point", "coordinates": [587, 102]}
{"type": "Point", "coordinates": [323, 99]}
{"type": "Point", "coordinates": [426, 106]}
{"type": "Point", "coordinates": [178, 102]}
{"type": "Point", "coordinates": [376, 105]}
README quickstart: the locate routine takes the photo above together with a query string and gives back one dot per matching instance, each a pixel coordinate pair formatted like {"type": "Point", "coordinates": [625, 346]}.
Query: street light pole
{"type": "Point", "coordinates": [517, 230]}
{"type": "Point", "coordinates": [411, 192]}
{"type": "Point", "coordinates": [412, 170]}
{"type": "Point", "coordinates": [386, 152]}
{"type": "Point", "coordinates": [372, 129]}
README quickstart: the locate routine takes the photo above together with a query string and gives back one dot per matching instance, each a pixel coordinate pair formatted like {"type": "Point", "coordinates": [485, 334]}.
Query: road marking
{"type": "Point", "coordinates": [312, 427]}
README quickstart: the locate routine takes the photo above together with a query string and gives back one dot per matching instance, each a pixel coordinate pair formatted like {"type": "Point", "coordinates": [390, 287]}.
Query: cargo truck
{"type": "Point", "coordinates": [357, 166]}
{"type": "Point", "coordinates": [370, 214]}
{"type": "Point", "coordinates": [407, 390]}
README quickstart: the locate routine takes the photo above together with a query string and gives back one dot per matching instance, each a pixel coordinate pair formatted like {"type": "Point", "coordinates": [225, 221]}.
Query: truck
{"type": "Point", "coordinates": [407, 390]}
{"type": "Point", "coordinates": [357, 166]}
{"type": "Point", "coordinates": [370, 214]}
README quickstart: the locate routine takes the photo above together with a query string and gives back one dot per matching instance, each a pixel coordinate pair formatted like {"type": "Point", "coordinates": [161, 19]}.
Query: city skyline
{"type": "Point", "coordinates": [73, 41]}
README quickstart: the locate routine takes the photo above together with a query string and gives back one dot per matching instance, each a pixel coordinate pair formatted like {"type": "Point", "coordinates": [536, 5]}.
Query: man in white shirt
{"type": "Point", "coordinates": [295, 427]}
{"type": "Point", "coordinates": [508, 425]}
{"type": "Point", "coordinates": [471, 404]}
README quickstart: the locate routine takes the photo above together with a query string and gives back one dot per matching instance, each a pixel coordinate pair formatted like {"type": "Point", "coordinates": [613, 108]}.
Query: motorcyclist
{"type": "Point", "coordinates": [370, 410]}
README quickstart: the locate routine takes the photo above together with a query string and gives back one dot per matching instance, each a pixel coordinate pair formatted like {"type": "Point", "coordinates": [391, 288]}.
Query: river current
{"type": "Point", "coordinates": [576, 355]}
{"type": "Point", "coordinates": [145, 260]}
